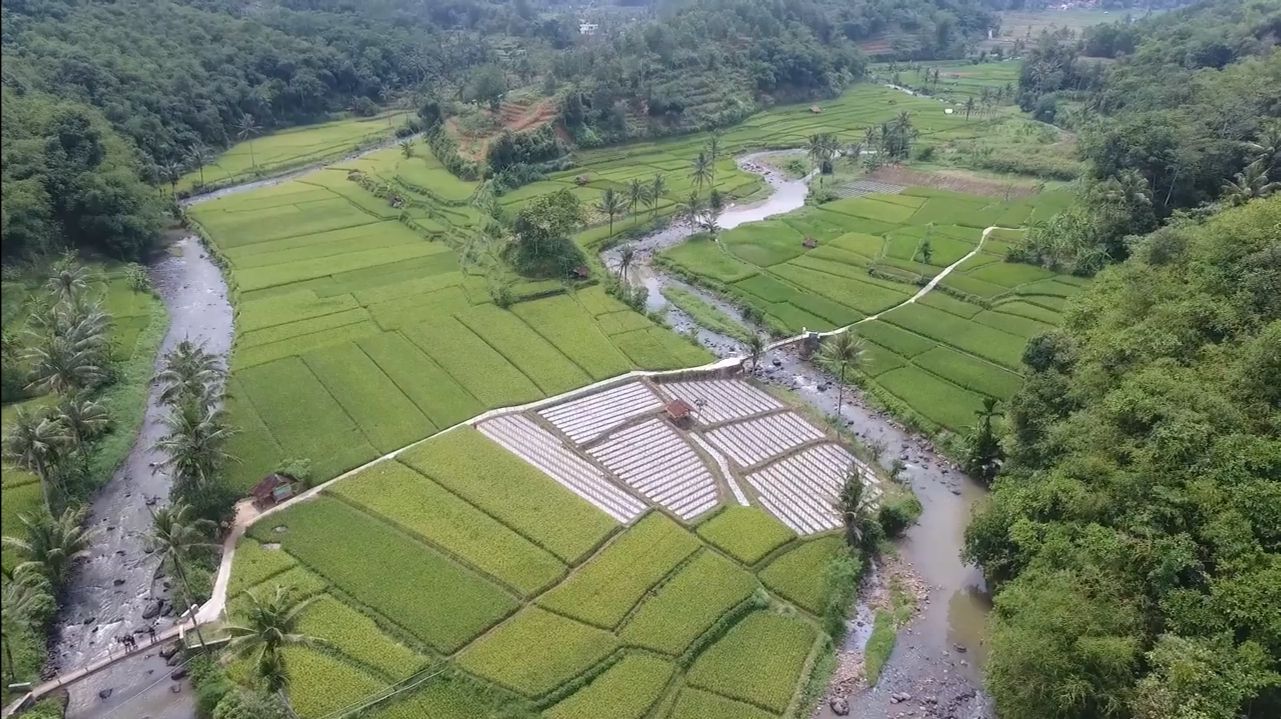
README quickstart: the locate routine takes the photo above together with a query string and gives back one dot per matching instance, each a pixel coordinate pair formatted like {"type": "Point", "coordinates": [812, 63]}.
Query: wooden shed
{"type": "Point", "coordinates": [679, 412]}
{"type": "Point", "coordinates": [272, 490]}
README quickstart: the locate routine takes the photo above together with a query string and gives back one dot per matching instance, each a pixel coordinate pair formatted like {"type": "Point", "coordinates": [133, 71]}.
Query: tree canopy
{"type": "Point", "coordinates": [1134, 537]}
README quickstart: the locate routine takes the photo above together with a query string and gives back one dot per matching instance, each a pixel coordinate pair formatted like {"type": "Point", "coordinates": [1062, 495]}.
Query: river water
{"type": "Point", "coordinates": [112, 592]}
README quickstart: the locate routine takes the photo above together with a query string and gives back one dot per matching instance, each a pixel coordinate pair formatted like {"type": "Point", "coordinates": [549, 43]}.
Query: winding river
{"type": "Point", "coordinates": [935, 661]}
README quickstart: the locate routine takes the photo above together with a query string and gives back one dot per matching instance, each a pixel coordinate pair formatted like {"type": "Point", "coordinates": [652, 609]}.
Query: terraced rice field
{"type": "Point", "coordinates": [958, 80]}
{"type": "Point", "coordinates": [363, 315]}
{"type": "Point", "coordinates": [296, 147]}
{"type": "Point", "coordinates": [802, 489]}
{"type": "Point", "coordinates": [427, 575]}
{"type": "Point", "coordinates": [936, 358]}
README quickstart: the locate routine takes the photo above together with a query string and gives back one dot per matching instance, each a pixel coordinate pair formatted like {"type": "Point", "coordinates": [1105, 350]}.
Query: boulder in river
{"type": "Point", "coordinates": [153, 609]}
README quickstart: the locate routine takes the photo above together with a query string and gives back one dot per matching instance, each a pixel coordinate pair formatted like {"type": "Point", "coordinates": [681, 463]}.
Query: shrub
{"type": "Point", "coordinates": [897, 515]}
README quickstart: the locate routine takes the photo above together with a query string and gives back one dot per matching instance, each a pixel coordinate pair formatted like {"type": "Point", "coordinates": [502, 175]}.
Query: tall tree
{"type": "Point", "coordinates": [50, 545]}
{"type": "Point", "coordinates": [246, 129]}
{"type": "Point", "coordinates": [270, 624]}
{"type": "Point", "coordinates": [700, 171]}
{"type": "Point", "coordinates": [176, 534]}
{"type": "Point", "coordinates": [199, 155]}
{"type": "Point", "coordinates": [27, 602]}
{"type": "Point", "coordinates": [611, 205]}
{"type": "Point", "coordinates": [195, 448]}
{"type": "Point", "coordinates": [840, 354]}
{"type": "Point", "coordinates": [34, 442]}
{"type": "Point", "coordinates": [657, 187]}
{"type": "Point", "coordinates": [637, 193]}
{"type": "Point", "coordinates": [189, 374]}
{"type": "Point", "coordinates": [82, 417]}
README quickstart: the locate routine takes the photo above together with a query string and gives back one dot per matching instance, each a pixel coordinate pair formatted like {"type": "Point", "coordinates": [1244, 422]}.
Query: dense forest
{"type": "Point", "coordinates": [1186, 114]}
{"type": "Point", "coordinates": [155, 84]}
{"type": "Point", "coordinates": [1134, 532]}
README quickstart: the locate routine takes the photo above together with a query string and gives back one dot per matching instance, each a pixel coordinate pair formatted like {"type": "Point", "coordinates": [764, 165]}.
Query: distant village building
{"type": "Point", "coordinates": [587, 28]}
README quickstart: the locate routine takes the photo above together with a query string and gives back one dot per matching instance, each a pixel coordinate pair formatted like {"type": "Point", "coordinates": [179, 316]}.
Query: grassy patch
{"type": "Point", "coordinates": [745, 533]}
{"type": "Point", "coordinates": [423, 381]}
{"type": "Point", "coordinates": [800, 575]}
{"type": "Point", "coordinates": [406, 581]}
{"type": "Point", "coordinates": [688, 604]}
{"type": "Point", "coordinates": [758, 661]}
{"type": "Point", "coordinates": [938, 400]}
{"type": "Point", "coordinates": [305, 420]}
{"type": "Point", "coordinates": [255, 564]}
{"type": "Point", "coordinates": [696, 704]}
{"type": "Point", "coordinates": [320, 683]}
{"type": "Point", "coordinates": [626, 690]}
{"type": "Point", "coordinates": [705, 314]}
{"type": "Point", "coordinates": [605, 589]}
{"type": "Point", "coordinates": [537, 651]}
{"type": "Point", "coordinates": [383, 413]}
{"type": "Point", "coordinates": [359, 637]}
{"type": "Point", "coordinates": [564, 323]}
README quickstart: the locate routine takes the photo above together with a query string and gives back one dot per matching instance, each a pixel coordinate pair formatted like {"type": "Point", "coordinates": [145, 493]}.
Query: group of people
{"type": "Point", "coordinates": [130, 642]}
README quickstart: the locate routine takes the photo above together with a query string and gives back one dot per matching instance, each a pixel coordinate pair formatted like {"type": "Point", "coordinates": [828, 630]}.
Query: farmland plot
{"type": "Point", "coordinates": [687, 605]}
{"type": "Point", "coordinates": [757, 662]}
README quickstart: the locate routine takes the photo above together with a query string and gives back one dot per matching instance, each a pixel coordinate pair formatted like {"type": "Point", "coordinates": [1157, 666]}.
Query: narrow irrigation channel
{"type": "Point", "coordinates": [935, 667]}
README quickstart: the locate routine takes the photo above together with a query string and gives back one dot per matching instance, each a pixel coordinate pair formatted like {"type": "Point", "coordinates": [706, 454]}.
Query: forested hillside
{"type": "Point", "coordinates": [1133, 536]}
{"type": "Point", "coordinates": [1178, 120]}
{"type": "Point", "coordinates": [162, 83]}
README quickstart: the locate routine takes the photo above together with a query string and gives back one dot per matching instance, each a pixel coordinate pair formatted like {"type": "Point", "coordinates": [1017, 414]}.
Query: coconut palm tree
{"type": "Point", "coordinates": [700, 171]}
{"type": "Point", "coordinates": [189, 374]}
{"type": "Point", "coordinates": [624, 262]}
{"type": "Point", "coordinates": [611, 203]}
{"type": "Point", "coordinates": [270, 624]}
{"type": "Point", "coordinates": [195, 446]}
{"type": "Point", "coordinates": [657, 187]}
{"type": "Point", "coordinates": [83, 418]}
{"type": "Point", "coordinates": [52, 544]}
{"type": "Point", "coordinates": [755, 346]}
{"type": "Point", "coordinates": [1249, 184]}
{"type": "Point", "coordinates": [692, 208]}
{"type": "Point", "coordinates": [1267, 149]}
{"type": "Point", "coordinates": [64, 366]}
{"type": "Point", "coordinates": [816, 148]}
{"type": "Point", "coordinates": [713, 153]}
{"type": "Point", "coordinates": [407, 148]}
{"type": "Point", "coordinates": [855, 513]}
{"type": "Point", "coordinates": [175, 535]}
{"type": "Point", "coordinates": [35, 442]}
{"type": "Point", "coordinates": [199, 155]}
{"type": "Point", "coordinates": [1128, 187]}
{"type": "Point", "coordinates": [246, 129]}
{"type": "Point", "coordinates": [637, 192]}
{"type": "Point", "coordinates": [172, 171]}
{"type": "Point", "coordinates": [27, 601]}
{"type": "Point", "coordinates": [68, 282]}
{"type": "Point", "coordinates": [841, 353]}
{"type": "Point", "coordinates": [969, 106]}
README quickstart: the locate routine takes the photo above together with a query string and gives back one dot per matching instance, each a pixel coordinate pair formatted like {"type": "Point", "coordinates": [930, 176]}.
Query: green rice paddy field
{"type": "Point", "coordinates": [939, 356]}
{"type": "Point", "coordinates": [957, 79]}
{"type": "Point", "coordinates": [530, 599]}
{"type": "Point", "coordinates": [290, 148]}
{"type": "Point", "coordinates": [359, 331]}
